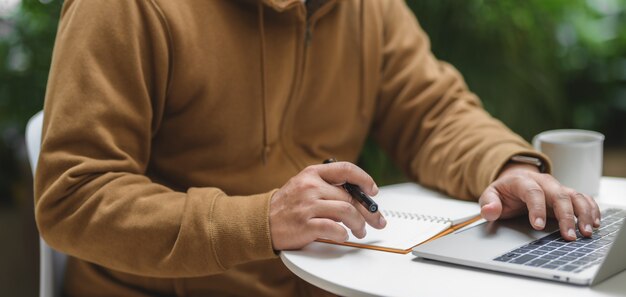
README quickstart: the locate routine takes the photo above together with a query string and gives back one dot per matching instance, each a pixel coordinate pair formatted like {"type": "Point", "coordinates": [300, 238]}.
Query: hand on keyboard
{"type": "Point", "coordinates": [520, 189]}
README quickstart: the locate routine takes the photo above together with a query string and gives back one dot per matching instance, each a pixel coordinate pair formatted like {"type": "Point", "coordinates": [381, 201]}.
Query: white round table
{"type": "Point", "coordinates": [360, 272]}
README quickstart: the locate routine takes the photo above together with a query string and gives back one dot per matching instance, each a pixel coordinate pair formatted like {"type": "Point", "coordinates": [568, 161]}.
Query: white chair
{"type": "Point", "coordinates": [51, 262]}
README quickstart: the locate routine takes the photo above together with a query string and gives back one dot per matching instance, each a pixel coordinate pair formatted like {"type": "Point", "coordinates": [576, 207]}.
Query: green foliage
{"type": "Point", "coordinates": [538, 64]}
{"type": "Point", "coordinates": [25, 53]}
{"type": "Point", "coordinates": [27, 34]}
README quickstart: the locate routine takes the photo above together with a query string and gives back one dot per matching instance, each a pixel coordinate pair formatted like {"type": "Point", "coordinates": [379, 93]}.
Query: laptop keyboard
{"type": "Point", "coordinates": [553, 252]}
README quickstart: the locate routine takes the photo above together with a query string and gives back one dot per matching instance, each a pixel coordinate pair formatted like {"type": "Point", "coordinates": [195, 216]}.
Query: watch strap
{"type": "Point", "coordinates": [529, 160]}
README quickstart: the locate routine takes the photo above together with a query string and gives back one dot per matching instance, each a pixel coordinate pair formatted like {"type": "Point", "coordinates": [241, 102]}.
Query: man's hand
{"type": "Point", "coordinates": [520, 188]}
{"type": "Point", "coordinates": [311, 203]}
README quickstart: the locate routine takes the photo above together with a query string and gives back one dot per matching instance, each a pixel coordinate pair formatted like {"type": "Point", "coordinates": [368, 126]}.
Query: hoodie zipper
{"type": "Point", "coordinates": [296, 93]}
{"type": "Point", "coordinates": [307, 35]}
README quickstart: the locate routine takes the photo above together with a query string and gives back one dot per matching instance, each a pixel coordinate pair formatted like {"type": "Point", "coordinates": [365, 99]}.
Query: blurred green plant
{"type": "Point", "coordinates": [536, 64]}
{"type": "Point", "coordinates": [27, 31]}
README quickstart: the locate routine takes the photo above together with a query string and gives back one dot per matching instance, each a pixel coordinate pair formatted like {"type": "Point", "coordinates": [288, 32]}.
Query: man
{"type": "Point", "coordinates": [181, 140]}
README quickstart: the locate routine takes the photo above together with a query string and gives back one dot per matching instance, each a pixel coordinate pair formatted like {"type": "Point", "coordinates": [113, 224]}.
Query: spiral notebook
{"type": "Point", "coordinates": [413, 219]}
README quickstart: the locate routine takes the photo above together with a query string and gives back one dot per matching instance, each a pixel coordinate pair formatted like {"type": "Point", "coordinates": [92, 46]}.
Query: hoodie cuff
{"type": "Point", "coordinates": [241, 230]}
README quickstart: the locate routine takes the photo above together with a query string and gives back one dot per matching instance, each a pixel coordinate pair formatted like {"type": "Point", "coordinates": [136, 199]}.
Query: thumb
{"type": "Point", "coordinates": [490, 204]}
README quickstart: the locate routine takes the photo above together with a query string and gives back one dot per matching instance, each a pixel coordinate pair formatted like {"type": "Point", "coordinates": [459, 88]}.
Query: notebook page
{"type": "Point", "coordinates": [457, 211]}
{"type": "Point", "coordinates": [413, 218]}
{"type": "Point", "coordinates": [403, 231]}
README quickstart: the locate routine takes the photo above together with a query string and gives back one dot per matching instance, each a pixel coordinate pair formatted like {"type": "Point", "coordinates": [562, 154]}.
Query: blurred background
{"type": "Point", "coordinates": [536, 64]}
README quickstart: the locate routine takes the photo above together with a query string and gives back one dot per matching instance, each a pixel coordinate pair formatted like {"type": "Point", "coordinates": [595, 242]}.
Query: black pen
{"type": "Point", "coordinates": [357, 193]}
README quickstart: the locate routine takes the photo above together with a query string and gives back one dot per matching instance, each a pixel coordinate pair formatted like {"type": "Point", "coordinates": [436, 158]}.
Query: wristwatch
{"type": "Point", "coordinates": [529, 160]}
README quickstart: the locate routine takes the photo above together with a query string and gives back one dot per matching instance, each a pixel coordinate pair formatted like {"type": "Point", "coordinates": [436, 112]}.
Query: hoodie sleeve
{"type": "Point", "coordinates": [439, 133]}
{"type": "Point", "coordinates": [106, 93]}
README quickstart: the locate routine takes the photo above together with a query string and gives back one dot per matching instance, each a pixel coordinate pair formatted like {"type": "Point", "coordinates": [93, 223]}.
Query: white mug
{"type": "Point", "coordinates": [576, 157]}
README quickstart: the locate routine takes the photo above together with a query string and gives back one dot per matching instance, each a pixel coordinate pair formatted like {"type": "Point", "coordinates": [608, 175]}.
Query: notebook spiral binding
{"type": "Point", "coordinates": [413, 216]}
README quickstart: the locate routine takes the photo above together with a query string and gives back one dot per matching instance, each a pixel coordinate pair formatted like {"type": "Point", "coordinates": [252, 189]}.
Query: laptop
{"type": "Point", "coordinates": [512, 246]}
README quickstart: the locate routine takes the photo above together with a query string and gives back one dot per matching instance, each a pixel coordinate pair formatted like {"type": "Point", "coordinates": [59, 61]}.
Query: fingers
{"type": "Point", "coordinates": [339, 173]}
{"type": "Point", "coordinates": [597, 216]}
{"type": "Point", "coordinates": [564, 213]}
{"type": "Point", "coordinates": [540, 192]}
{"type": "Point", "coordinates": [511, 197]}
{"type": "Point", "coordinates": [533, 195]}
{"type": "Point", "coordinates": [584, 212]}
{"type": "Point", "coordinates": [570, 206]}
{"type": "Point", "coordinates": [341, 211]}
{"type": "Point", "coordinates": [375, 220]}
{"type": "Point", "coordinates": [310, 204]}
{"type": "Point", "coordinates": [490, 204]}
{"type": "Point", "coordinates": [327, 229]}
{"type": "Point", "coordinates": [330, 192]}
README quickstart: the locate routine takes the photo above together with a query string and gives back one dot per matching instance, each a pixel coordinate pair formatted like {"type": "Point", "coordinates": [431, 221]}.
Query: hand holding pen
{"type": "Point", "coordinates": [312, 203]}
{"type": "Point", "coordinates": [357, 193]}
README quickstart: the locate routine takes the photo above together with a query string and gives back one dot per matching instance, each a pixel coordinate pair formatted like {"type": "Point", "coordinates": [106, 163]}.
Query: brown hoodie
{"type": "Point", "coordinates": [168, 125]}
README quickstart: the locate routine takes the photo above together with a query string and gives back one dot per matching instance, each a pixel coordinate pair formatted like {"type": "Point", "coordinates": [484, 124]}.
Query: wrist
{"type": "Point", "coordinates": [522, 163]}
{"type": "Point", "coordinates": [514, 167]}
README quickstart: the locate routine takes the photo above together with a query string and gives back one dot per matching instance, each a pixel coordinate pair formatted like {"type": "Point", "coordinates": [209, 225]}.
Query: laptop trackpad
{"type": "Point", "coordinates": [485, 241]}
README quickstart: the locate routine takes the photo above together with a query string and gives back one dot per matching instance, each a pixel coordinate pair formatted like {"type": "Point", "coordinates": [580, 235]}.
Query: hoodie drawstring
{"type": "Point", "coordinates": [362, 90]}
{"type": "Point", "coordinates": [266, 148]}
